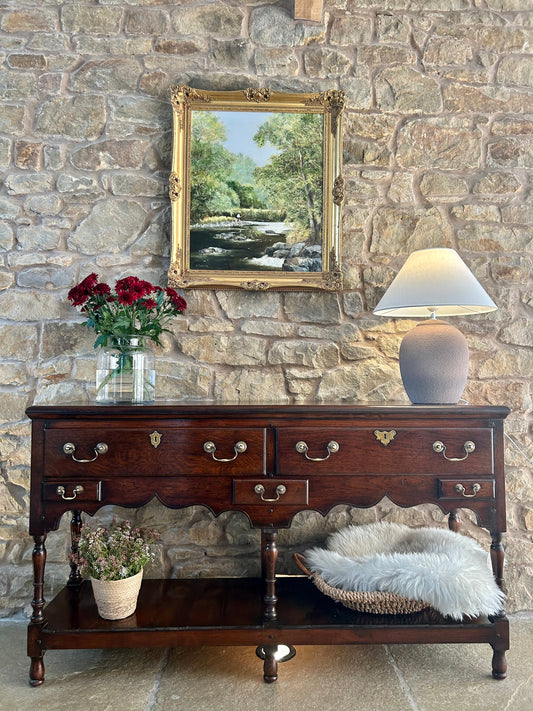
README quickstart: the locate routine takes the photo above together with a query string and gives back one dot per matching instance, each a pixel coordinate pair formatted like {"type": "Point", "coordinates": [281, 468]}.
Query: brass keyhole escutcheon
{"type": "Point", "coordinates": [385, 436]}
{"type": "Point", "coordinates": [155, 439]}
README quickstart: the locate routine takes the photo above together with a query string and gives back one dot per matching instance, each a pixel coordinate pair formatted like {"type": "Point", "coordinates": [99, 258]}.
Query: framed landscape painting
{"type": "Point", "coordinates": [256, 189]}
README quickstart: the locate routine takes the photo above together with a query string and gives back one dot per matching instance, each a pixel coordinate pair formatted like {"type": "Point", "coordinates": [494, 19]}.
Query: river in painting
{"type": "Point", "coordinates": [237, 246]}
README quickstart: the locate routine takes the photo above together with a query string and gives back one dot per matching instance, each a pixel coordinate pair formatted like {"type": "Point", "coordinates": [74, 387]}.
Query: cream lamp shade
{"type": "Point", "coordinates": [434, 355]}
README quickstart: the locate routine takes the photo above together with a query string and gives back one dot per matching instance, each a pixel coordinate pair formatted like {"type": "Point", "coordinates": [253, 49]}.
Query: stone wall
{"type": "Point", "coordinates": [438, 152]}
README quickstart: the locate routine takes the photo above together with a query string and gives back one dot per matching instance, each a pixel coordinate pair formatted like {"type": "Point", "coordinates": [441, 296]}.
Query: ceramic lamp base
{"type": "Point", "coordinates": [434, 363]}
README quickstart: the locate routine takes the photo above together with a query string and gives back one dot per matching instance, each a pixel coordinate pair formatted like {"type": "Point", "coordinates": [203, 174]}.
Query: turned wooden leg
{"type": "Point", "coordinates": [497, 556]}
{"type": "Point", "coordinates": [453, 521]}
{"type": "Point", "coordinates": [501, 645]}
{"type": "Point", "coordinates": [499, 663]}
{"type": "Point", "coordinates": [35, 650]}
{"type": "Point", "coordinates": [75, 528]}
{"type": "Point", "coordinates": [270, 665]}
{"type": "Point", "coordinates": [269, 557]}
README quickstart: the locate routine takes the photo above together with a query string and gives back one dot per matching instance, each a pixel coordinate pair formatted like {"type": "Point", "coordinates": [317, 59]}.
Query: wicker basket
{"type": "Point", "coordinates": [117, 599]}
{"type": "Point", "coordinates": [377, 603]}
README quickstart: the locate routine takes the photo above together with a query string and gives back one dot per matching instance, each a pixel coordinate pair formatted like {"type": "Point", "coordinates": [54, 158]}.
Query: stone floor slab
{"type": "Point", "coordinates": [336, 678]}
{"type": "Point", "coordinates": [86, 679]}
{"type": "Point", "coordinates": [442, 677]}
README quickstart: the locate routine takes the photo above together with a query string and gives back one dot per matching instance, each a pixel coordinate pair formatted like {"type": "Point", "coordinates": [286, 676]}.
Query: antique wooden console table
{"type": "Point", "coordinates": [269, 462]}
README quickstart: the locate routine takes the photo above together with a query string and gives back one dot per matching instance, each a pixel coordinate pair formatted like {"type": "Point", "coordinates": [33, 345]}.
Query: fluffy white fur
{"type": "Point", "coordinates": [443, 568]}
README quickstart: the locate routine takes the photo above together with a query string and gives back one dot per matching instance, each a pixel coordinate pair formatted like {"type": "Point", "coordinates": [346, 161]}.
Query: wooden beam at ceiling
{"type": "Point", "coordinates": [308, 10]}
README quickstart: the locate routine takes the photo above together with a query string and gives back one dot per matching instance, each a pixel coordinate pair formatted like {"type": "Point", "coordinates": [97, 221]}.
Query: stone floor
{"type": "Point", "coordinates": [344, 678]}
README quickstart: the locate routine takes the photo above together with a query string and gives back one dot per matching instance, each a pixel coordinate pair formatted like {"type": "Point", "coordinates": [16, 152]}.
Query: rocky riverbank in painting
{"type": "Point", "coordinates": [251, 246]}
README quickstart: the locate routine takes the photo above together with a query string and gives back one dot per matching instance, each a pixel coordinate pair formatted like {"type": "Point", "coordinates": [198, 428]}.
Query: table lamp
{"type": "Point", "coordinates": [434, 354]}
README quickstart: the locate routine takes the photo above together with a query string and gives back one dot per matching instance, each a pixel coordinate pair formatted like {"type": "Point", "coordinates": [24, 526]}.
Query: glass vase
{"type": "Point", "coordinates": [125, 371]}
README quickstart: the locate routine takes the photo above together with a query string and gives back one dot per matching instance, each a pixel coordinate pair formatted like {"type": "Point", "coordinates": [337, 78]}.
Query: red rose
{"type": "Point", "coordinates": [148, 304]}
{"type": "Point", "coordinates": [131, 289]}
{"type": "Point", "coordinates": [177, 301]}
{"type": "Point", "coordinates": [80, 293]}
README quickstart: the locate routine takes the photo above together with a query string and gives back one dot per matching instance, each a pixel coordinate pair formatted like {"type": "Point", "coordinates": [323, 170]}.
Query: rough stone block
{"type": "Point", "coordinates": [405, 89]}
{"type": "Point", "coordinates": [37, 18]}
{"type": "Point", "coordinates": [275, 62]}
{"type": "Point", "coordinates": [43, 204]}
{"type": "Point", "coordinates": [106, 75]}
{"type": "Point", "coordinates": [442, 185]}
{"type": "Point", "coordinates": [18, 305]}
{"type": "Point", "coordinates": [11, 118]}
{"type": "Point", "coordinates": [36, 238]}
{"type": "Point", "coordinates": [217, 348]}
{"type": "Point", "coordinates": [145, 21]}
{"type": "Point", "coordinates": [242, 304]}
{"type": "Point", "coordinates": [316, 307]}
{"type": "Point", "coordinates": [89, 19]}
{"type": "Point", "coordinates": [250, 386]}
{"type": "Point", "coordinates": [112, 226]}
{"type": "Point", "coordinates": [274, 27]}
{"type": "Point", "coordinates": [484, 213]}
{"type": "Point", "coordinates": [402, 230]}
{"type": "Point", "coordinates": [462, 98]}
{"type": "Point", "coordinates": [50, 277]}
{"type": "Point", "coordinates": [314, 355]}
{"type": "Point", "coordinates": [439, 143]}
{"type": "Point", "coordinates": [6, 279]}
{"type": "Point", "coordinates": [385, 54]}
{"type": "Point", "coordinates": [24, 184]}
{"type": "Point", "coordinates": [319, 62]}
{"type": "Point", "coordinates": [26, 61]}
{"type": "Point", "coordinates": [7, 238]}
{"type": "Point", "coordinates": [176, 380]}
{"type": "Point", "coordinates": [113, 153]}
{"type": "Point", "coordinates": [212, 20]}
{"type": "Point", "coordinates": [493, 238]}
{"type": "Point", "coordinates": [516, 70]}
{"type": "Point", "coordinates": [28, 154]}
{"type": "Point", "coordinates": [232, 54]}
{"type": "Point", "coordinates": [510, 152]}
{"type": "Point", "coordinates": [351, 30]}
{"type": "Point", "coordinates": [497, 183]}
{"type": "Point", "coordinates": [76, 117]}
{"type": "Point", "coordinates": [445, 50]}
{"type": "Point", "coordinates": [351, 383]}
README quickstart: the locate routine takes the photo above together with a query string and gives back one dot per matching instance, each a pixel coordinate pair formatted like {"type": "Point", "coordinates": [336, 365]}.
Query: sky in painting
{"type": "Point", "coordinates": [240, 129]}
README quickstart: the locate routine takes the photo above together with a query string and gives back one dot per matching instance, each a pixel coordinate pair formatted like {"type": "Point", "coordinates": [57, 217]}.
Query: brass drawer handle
{"type": "Point", "coordinates": [302, 448]}
{"type": "Point", "coordinates": [69, 448]}
{"type": "Point", "coordinates": [439, 448]}
{"type": "Point", "coordinates": [459, 488]}
{"type": "Point", "coordinates": [238, 448]}
{"type": "Point", "coordinates": [280, 490]}
{"type": "Point", "coordinates": [60, 491]}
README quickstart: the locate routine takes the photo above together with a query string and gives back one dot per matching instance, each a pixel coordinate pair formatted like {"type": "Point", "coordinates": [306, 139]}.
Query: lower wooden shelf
{"type": "Point", "coordinates": [229, 611]}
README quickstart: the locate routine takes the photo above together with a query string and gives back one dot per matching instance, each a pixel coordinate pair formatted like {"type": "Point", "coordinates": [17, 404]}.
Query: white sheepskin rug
{"type": "Point", "coordinates": [443, 568]}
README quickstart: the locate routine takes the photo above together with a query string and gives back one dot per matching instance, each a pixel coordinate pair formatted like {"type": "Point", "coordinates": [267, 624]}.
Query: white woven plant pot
{"type": "Point", "coordinates": [116, 599]}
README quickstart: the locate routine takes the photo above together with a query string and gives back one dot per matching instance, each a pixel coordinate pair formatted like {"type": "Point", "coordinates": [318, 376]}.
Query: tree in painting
{"type": "Point", "coordinates": [292, 177]}
{"type": "Point", "coordinates": [212, 164]}
{"type": "Point", "coordinates": [222, 182]}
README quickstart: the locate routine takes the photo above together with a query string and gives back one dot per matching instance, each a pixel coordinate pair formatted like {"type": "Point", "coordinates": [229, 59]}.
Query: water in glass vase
{"type": "Point", "coordinates": [125, 371]}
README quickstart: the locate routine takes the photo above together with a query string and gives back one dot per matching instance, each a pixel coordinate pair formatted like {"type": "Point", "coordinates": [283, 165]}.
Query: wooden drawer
{"type": "Point", "coordinates": [159, 451]}
{"type": "Point", "coordinates": [270, 491]}
{"type": "Point", "coordinates": [78, 491]}
{"type": "Point", "coordinates": [347, 450]}
{"type": "Point", "coordinates": [465, 489]}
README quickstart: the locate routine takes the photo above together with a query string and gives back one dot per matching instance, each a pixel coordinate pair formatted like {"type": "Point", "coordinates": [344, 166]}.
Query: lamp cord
{"type": "Point", "coordinates": [519, 448]}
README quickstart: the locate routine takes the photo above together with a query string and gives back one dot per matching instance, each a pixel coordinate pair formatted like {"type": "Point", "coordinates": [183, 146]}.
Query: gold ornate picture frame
{"type": "Point", "coordinates": [256, 189]}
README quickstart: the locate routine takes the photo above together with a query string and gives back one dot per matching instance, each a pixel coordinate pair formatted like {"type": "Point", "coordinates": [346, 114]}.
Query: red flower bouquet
{"type": "Point", "coordinates": [134, 308]}
{"type": "Point", "coordinates": [123, 318]}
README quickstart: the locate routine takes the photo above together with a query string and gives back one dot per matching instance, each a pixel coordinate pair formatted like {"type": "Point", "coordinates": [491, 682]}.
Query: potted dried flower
{"type": "Point", "coordinates": [114, 559]}
{"type": "Point", "coordinates": [124, 318]}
